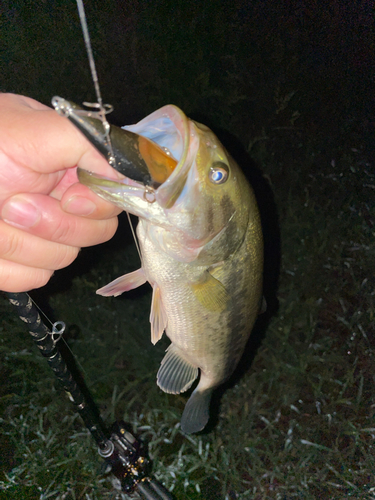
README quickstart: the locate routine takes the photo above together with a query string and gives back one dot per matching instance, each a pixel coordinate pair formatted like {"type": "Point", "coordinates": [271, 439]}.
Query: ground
{"type": "Point", "coordinates": [288, 89]}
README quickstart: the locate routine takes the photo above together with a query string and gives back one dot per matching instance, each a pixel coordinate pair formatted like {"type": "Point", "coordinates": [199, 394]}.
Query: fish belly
{"type": "Point", "coordinates": [211, 340]}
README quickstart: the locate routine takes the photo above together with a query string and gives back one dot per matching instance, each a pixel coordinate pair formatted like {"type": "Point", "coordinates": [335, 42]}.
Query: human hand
{"type": "Point", "coordinates": [46, 216]}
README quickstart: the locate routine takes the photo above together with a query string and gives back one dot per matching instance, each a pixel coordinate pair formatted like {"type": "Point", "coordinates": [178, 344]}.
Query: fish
{"type": "Point", "coordinates": [201, 248]}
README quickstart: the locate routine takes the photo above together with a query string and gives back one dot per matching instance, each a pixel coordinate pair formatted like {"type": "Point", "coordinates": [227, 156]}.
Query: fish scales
{"type": "Point", "coordinates": [202, 252]}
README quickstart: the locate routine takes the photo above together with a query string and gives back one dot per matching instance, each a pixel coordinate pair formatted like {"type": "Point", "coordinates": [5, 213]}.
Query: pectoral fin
{"type": "Point", "coordinates": [158, 316]}
{"type": "Point", "coordinates": [211, 293]}
{"type": "Point", "coordinates": [175, 374]}
{"type": "Point", "coordinates": [123, 284]}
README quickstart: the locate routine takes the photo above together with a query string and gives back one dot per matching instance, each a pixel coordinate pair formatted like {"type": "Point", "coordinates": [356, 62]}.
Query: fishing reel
{"type": "Point", "coordinates": [126, 460]}
{"type": "Point", "coordinates": [124, 457]}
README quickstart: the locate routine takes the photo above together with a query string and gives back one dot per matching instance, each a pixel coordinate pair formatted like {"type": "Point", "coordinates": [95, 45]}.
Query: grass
{"type": "Point", "coordinates": [297, 419]}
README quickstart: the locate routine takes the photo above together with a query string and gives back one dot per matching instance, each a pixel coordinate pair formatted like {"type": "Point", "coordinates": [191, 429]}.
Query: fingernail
{"type": "Point", "coordinates": [78, 205]}
{"type": "Point", "coordinates": [20, 213]}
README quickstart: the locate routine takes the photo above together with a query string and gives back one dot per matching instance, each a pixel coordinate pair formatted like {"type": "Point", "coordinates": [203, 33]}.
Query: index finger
{"type": "Point", "coordinates": [37, 137]}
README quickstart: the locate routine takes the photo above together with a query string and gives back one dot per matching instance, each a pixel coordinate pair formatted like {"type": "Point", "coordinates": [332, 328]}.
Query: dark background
{"type": "Point", "coordinates": [243, 65]}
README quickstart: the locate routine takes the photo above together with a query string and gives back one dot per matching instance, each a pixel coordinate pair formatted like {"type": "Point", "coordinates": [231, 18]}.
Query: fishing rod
{"type": "Point", "coordinates": [123, 453]}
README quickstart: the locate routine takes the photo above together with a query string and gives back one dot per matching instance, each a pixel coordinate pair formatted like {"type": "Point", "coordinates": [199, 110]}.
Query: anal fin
{"type": "Point", "coordinates": [123, 284]}
{"type": "Point", "coordinates": [175, 374]}
{"type": "Point", "coordinates": [158, 316]}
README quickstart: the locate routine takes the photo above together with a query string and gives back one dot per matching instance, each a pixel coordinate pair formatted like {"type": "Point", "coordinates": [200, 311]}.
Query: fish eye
{"type": "Point", "coordinates": [219, 172]}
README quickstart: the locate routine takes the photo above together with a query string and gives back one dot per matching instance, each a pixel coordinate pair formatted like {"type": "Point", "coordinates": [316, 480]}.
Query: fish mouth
{"type": "Point", "coordinates": [171, 130]}
{"type": "Point", "coordinates": [133, 155]}
{"type": "Point", "coordinates": [155, 154]}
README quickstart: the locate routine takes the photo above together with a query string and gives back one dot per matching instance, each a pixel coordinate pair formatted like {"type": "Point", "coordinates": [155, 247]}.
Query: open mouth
{"type": "Point", "coordinates": [134, 155]}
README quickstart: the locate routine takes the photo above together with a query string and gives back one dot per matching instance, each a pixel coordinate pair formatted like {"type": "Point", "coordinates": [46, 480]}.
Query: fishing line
{"type": "Point", "coordinates": [42, 312]}
{"type": "Point", "coordinates": [102, 108]}
{"type": "Point", "coordinates": [57, 328]}
{"type": "Point", "coordinates": [134, 236]}
{"type": "Point", "coordinates": [94, 75]}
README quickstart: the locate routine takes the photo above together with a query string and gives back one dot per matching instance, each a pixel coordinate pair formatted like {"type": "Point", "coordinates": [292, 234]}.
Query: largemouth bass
{"type": "Point", "coordinates": [201, 247]}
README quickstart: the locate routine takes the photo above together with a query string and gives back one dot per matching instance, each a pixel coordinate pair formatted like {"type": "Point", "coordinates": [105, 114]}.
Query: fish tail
{"type": "Point", "coordinates": [196, 412]}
